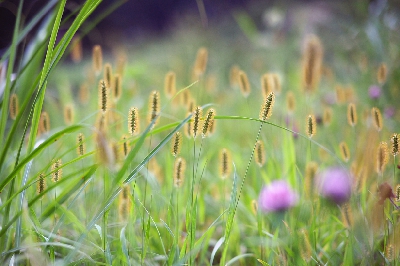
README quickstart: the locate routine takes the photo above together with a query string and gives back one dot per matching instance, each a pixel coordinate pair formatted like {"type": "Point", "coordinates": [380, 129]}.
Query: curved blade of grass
{"type": "Point", "coordinates": [216, 248]}
{"type": "Point", "coordinates": [123, 241]}
{"type": "Point", "coordinates": [241, 256]}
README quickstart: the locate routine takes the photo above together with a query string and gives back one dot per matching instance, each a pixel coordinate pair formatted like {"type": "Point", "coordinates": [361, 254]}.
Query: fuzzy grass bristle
{"type": "Point", "coordinates": [76, 49]}
{"type": "Point", "coordinates": [310, 173]}
{"type": "Point", "coordinates": [381, 74]}
{"type": "Point", "coordinates": [125, 145]}
{"type": "Point", "coordinates": [290, 102]}
{"type": "Point", "coordinates": [176, 144]}
{"type": "Point", "coordinates": [197, 121]}
{"type": "Point", "coordinates": [81, 146]}
{"type": "Point", "coordinates": [97, 57]}
{"type": "Point", "coordinates": [68, 114]}
{"type": "Point", "coordinates": [266, 108]}
{"type": "Point", "coordinates": [124, 204]}
{"type": "Point", "coordinates": [41, 184]}
{"type": "Point", "coordinates": [108, 75]}
{"type": "Point", "coordinates": [84, 93]}
{"type": "Point", "coordinates": [200, 64]}
{"type": "Point", "coordinates": [389, 252]}
{"type": "Point", "coordinates": [312, 63]}
{"type": "Point", "coordinates": [327, 116]}
{"type": "Point", "coordinates": [56, 170]}
{"type": "Point", "coordinates": [305, 246]}
{"type": "Point", "coordinates": [254, 207]}
{"type": "Point", "coordinates": [208, 124]}
{"type": "Point", "coordinates": [311, 126]}
{"type": "Point", "coordinates": [179, 172]}
{"type": "Point", "coordinates": [260, 153]}
{"type": "Point", "coordinates": [382, 157]}
{"type": "Point", "coordinates": [244, 83]}
{"type": "Point", "coordinates": [225, 162]}
{"type": "Point", "coordinates": [117, 87]}
{"type": "Point", "coordinates": [170, 84]}
{"type": "Point", "coordinates": [377, 118]}
{"type": "Point", "coordinates": [395, 144]}
{"type": "Point", "coordinates": [133, 121]}
{"type": "Point", "coordinates": [44, 122]}
{"type": "Point", "coordinates": [103, 96]}
{"type": "Point", "coordinates": [14, 106]}
{"type": "Point", "coordinates": [154, 107]}
{"type": "Point", "coordinates": [344, 151]}
{"type": "Point", "coordinates": [267, 84]}
{"type": "Point", "coordinates": [351, 114]}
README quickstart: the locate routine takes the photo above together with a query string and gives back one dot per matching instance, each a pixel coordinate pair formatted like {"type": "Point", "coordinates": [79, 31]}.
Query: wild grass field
{"type": "Point", "coordinates": [202, 148]}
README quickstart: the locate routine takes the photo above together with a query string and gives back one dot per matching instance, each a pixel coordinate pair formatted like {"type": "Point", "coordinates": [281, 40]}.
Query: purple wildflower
{"type": "Point", "coordinates": [374, 92]}
{"type": "Point", "coordinates": [277, 196]}
{"type": "Point", "coordinates": [389, 111]}
{"type": "Point", "coordinates": [334, 184]}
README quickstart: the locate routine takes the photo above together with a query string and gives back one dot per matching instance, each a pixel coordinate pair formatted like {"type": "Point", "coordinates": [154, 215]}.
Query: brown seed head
{"type": "Point", "coordinates": [377, 118]}
{"type": "Point", "coordinates": [125, 145]}
{"type": "Point", "coordinates": [260, 153]}
{"type": "Point", "coordinates": [382, 157]}
{"type": "Point", "coordinates": [290, 101]}
{"type": "Point", "coordinates": [179, 172]}
{"type": "Point", "coordinates": [395, 144]}
{"type": "Point", "coordinates": [154, 107]}
{"type": "Point", "coordinates": [312, 63]}
{"type": "Point", "coordinates": [381, 74]}
{"type": "Point", "coordinates": [267, 84]}
{"type": "Point", "coordinates": [170, 84]}
{"type": "Point", "coordinates": [244, 83]}
{"type": "Point", "coordinates": [208, 123]}
{"type": "Point", "coordinates": [266, 108]}
{"type": "Point", "coordinates": [103, 96]}
{"type": "Point", "coordinates": [344, 151]}
{"type": "Point", "coordinates": [81, 147]}
{"type": "Point", "coordinates": [176, 144]}
{"type": "Point", "coordinates": [225, 163]}
{"type": "Point", "coordinates": [108, 75]}
{"type": "Point", "coordinates": [68, 114]}
{"type": "Point", "coordinates": [76, 49]}
{"type": "Point", "coordinates": [117, 87]}
{"type": "Point", "coordinates": [133, 121]}
{"type": "Point", "coordinates": [44, 123]}
{"type": "Point", "coordinates": [97, 59]}
{"type": "Point", "coordinates": [200, 64]}
{"type": "Point", "coordinates": [197, 121]}
{"type": "Point", "coordinates": [311, 126]}
{"type": "Point", "coordinates": [352, 114]}
{"type": "Point", "coordinates": [56, 170]}
{"type": "Point", "coordinates": [234, 75]}
{"type": "Point", "coordinates": [327, 116]}
{"type": "Point", "coordinates": [84, 93]}
{"type": "Point", "coordinates": [14, 106]}
{"type": "Point", "coordinates": [41, 184]}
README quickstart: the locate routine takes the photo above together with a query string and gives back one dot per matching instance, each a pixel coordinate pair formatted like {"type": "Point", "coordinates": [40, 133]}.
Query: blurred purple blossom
{"type": "Point", "coordinates": [335, 184]}
{"type": "Point", "coordinates": [374, 92]}
{"type": "Point", "coordinates": [277, 196]}
{"type": "Point", "coordinates": [389, 111]}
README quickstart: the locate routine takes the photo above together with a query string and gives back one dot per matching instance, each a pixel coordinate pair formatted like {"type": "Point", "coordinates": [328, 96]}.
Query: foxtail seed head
{"type": "Point", "coordinates": [311, 126]}
{"type": "Point", "coordinates": [84, 93]}
{"type": "Point", "coordinates": [117, 87]}
{"type": "Point", "coordinates": [381, 74]}
{"type": "Point", "coordinates": [200, 64]}
{"type": "Point", "coordinates": [125, 145]}
{"type": "Point", "coordinates": [290, 101]}
{"type": "Point", "coordinates": [76, 49]}
{"type": "Point", "coordinates": [81, 147]}
{"type": "Point", "coordinates": [41, 184]}
{"type": "Point", "coordinates": [395, 144]}
{"type": "Point", "coordinates": [244, 83]}
{"type": "Point", "coordinates": [312, 63]}
{"type": "Point", "coordinates": [267, 84]}
{"type": "Point", "coordinates": [56, 170]}
{"type": "Point", "coordinates": [398, 193]}
{"type": "Point", "coordinates": [208, 123]}
{"type": "Point", "coordinates": [179, 172]}
{"type": "Point", "coordinates": [234, 75]}
{"type": "Point", "coordinates": [154, 107]}
{"type": "Point", "coordinates": [124, 204]}
{"type": "Point", "coordinates": [103, 96]}
{"type": "Point", "coordinates": [176, 144]}
{"type": "Point", "coordinates": [170, 84]}
{"type": "Point", "coordinates": [44, 123]}
{"type": "Point", "coordinates": [254, 207]}
{"type": "Point", "coordinates": [266, 108]}
{"type": "Point", "coordinates": [225, 163]}
{"type": "Point", "coordinates": [347, 215]}
{"type": "Point", "coordinates": [197, 121]}
{"type": "Point", "coordinates": [133, 121]}
{"type": "Point", "coordinates": [260, 153]}
{"type": "Point", "coordinates": [382, 157]}
{"type": "Point", "coordinates": [188, 127]}
{"type": "Point", "coordinates": [97, 59]}
{"type": "Point", "coordinates": [377, 118]}
{"type": "Point", "coordinates": [68, 114]}
{"type": "Point", "coordinates": [310, 173]}
{"type": "Point", "coordinates": [14, 106]}
{"type": "Point", "coordinates": [108, 75]}
{"type": "Point", "coordinates": [344, 151]}
{"type": "Point", "coordinates": [327, 116]}
{"type": "Point", "coordinates": [305, 246]}
{"type": "Point", "coordinates": [352, 114]}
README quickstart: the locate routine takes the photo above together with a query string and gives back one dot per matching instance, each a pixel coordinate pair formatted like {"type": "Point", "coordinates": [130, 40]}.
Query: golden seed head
{"type": "Point", "coordinates": [44, 123]}
{"type": "Point", "coordinates": [398, 192]}
{"type": "Point", "coordinates": [103, 96]}
{"type": "Point", "coordinates": [179, 172]}
{"type": "Point", "coordinates": [244, 83]}
{"type": "Point", "coordinates": [208, 123]}
{"type": "Point", "coordinates": [310, 173]}
{"type": "Point", "coordinates": [101, 122]}
{"type": "Point", "coordinates": [97, 59]}
{"type": "Point", "coordinates": [327, 116]}
{"type": "Point", "coordinates": [290, 101]}
{"type": "Point", "coordinates": [312, 63]}
{"type": "Point", "coordinates": [266, 108]}
{"type": "Point", "coordinates": [200, 64]}
{"type": "Point", "coordinates": [344, 151]}
{"type": "Point", "coordinates": [311, 126]}
{"type": "Point", "coordinates": [225, 163]}
{"type": "Point", "coordinates": [56, 170]}
{"type": "Point", "coordinates": [81, 147]}
{"type": "Point", "coordinates": [170, 84]}
{"type": "Point", "coordinates": [117, 87]}
{"type": "Point", "coordinates": [234, 75]}
{"type": "Point", "coordinates": [154, 107]}
{"type": "Point", "coordinates": [108, 75]}
{"type": "Point", "coordinates": [395, 144]}
{"type": "Point", "coordinates": [347, 215]}
{"type": "Point", "coordinates": [188, 127]}
{"type": "Point", "coordinates": [382, 157]}
{"type": "Point", "coordinates": [351, 114]}
{"type": "Point", "coordinates": [133, 121]}
{"type": "Point", "coordinates": [267, 84]}
{"type": "Point", "coordinates": [381, 74]}
{"type": "Point", "coordinates": [176, 144]}
{"type": "Point", "coordinates": [41, 184]}
{"type": "Point", "coordinates": [104, 152]}
{"type": "Point", "coordinates": [305, 246]}
{"type": "Point", "coordinates": [14, 106]}
{"type": "Point", "coordinates": [377, 118]}
{"type": "Point", "coordinates": [76, 50]}
{"type": "Point", "coordinates": [197, 121]}
{"type": "Point", "coordinates": [260, 153]}
{"type": "Point", "coordinates": [68, 114]}
{"type": "Point", "coordinates": [389, 252]}
{"type": "Point", "coordinates": [84, 93]}
{"type": "Point", "coordinates": [124, 205]}
{"type": "Point", "coordinates": [340, 94]}
{"type": "Point", "coordinates": [254, 207]}
{"type": "Point", "coordinates": [115, 150]}
{"type": "Point", "coordinates": [125, 145]}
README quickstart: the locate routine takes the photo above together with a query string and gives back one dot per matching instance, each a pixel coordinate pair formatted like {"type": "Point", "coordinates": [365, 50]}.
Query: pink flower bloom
{"type": "Point", "coordinates": [277, 196]}
{"type": "Point", "coordinates": [374, 92]}
{"type": "Point", "coordinates": [334, 184]}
